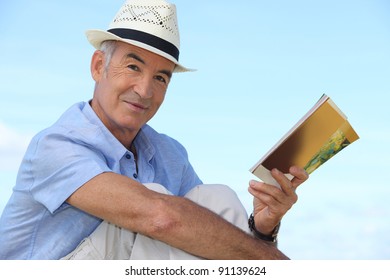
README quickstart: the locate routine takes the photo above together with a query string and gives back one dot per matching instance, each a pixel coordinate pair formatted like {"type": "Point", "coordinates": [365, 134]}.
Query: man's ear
{"type": "Point", "coordinates": [97, 65]}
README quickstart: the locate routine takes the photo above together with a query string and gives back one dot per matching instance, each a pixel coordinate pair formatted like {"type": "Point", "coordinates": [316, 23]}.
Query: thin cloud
{"type": "Point", "coordinates": [13, 145]}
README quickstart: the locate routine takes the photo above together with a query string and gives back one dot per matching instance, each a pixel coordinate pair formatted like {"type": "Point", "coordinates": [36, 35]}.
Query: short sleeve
{"type": "Point", "coordinates": [61, 164]}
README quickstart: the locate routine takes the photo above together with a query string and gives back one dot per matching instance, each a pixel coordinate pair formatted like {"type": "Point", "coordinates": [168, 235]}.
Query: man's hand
{"type": "Point", "coordinates": [270, 203]}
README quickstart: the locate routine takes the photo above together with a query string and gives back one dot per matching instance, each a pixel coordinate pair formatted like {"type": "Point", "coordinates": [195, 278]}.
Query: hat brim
{"type": "Point", "coordinates": [97, 37]}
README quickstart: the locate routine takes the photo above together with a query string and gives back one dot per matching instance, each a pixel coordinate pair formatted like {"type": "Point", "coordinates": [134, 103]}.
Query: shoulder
{"type": "Point", "coordinates": [71, 134]}
{"type": "Point", "coordinates": [72, 126]}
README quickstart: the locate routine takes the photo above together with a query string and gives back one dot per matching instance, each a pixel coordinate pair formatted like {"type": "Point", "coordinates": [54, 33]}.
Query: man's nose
{"type": "Point", "coordinates": [144, 87]}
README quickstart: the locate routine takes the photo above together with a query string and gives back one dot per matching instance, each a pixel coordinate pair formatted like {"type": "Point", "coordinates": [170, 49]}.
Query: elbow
{"type": "Point", "coordinates": [163, 220]}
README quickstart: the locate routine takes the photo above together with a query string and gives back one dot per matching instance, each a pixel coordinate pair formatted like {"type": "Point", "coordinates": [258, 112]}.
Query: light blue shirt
{"type": "Point", "coordinates": [37, 223]}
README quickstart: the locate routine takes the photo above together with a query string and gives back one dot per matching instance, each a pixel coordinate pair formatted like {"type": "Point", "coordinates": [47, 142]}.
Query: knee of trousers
{"type": "Point", "coordinates": [157, 188]}
{"type": "Point", "coordinates": [216, 197]}
{"type": "Point", "coordinates": [208, 193]}
{"type": "Point", "coordinates": [223, 201]}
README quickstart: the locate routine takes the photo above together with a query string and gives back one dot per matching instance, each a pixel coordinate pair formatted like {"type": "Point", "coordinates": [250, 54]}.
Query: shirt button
{"type": "Point", "coordinates": [128, 156]}
{"type": "Point", "coordinates": [135, 175]}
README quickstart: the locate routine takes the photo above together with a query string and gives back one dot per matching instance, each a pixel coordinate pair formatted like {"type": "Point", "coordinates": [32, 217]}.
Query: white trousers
{"type": "Point", "coordinates": [110, 242]}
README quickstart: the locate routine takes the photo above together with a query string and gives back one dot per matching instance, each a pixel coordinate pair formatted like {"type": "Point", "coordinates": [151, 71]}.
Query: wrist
{"type": "Point", "coordinates": [272, 237]}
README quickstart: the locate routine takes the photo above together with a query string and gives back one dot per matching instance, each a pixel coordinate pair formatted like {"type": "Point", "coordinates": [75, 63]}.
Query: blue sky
{"type": "Point", "coordinates": [261, 66]}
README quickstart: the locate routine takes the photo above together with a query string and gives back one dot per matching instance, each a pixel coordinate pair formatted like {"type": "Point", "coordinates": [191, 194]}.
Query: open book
{"type": "Point", "coordinates": [318, 136]}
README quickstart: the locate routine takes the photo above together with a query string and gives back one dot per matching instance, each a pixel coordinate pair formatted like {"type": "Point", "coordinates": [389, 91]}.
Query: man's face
{"type": "Point", "coordinates": [130, 91]}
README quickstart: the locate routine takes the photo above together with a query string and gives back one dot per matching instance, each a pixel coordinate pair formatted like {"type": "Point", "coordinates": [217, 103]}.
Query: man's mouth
{"type": "Point", "coordinates": [137, 107]}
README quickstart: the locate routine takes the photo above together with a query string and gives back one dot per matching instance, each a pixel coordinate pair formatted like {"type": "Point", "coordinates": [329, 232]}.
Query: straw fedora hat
{"type": "Point", "coordinates": [148, 24]}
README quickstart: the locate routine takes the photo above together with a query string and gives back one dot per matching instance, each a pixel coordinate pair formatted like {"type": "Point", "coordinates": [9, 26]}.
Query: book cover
{"type": "Point", "coordinates": [319, 135]}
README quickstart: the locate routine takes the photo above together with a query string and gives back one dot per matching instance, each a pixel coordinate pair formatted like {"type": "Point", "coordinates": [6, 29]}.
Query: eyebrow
{"type": "Point", "coordinates": [136, 57]}
{"type": "Point", "coordinates": [166, 72]}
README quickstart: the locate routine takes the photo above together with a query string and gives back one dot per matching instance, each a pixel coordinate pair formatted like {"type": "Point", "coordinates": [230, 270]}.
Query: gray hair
{"type": "Point", "coordinates": [108, 47]}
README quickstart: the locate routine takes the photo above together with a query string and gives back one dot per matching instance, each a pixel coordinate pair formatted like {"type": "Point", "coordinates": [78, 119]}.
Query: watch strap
{"type": "Point", "coordinates": [270, 238]}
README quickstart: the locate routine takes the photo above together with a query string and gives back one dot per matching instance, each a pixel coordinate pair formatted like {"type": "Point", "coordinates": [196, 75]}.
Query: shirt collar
{"type": "Point", "coordinates": [110, 146]}
{"type": "Point", "coordinates": [105, 141]}
{"type": "Point", "coordinates": [143, 144]}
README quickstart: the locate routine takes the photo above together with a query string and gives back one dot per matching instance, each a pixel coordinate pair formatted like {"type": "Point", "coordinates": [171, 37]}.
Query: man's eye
{"type": "Point", "coordinates": [161, 79]}
{"type": "Point", "coordinates": [133, 67]}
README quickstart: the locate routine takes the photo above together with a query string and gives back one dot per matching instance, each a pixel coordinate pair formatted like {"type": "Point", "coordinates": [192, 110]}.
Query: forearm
{"type": "Point", "coordinates": [176, 221]}
{"type": "Point", "coordinates": [201, 232]}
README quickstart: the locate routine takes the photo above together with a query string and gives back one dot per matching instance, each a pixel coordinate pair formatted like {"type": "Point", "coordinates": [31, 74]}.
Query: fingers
{"type": "Point", "coordinates": [271, 195]}
{"type": "Point", "coordinates": [259, 188]}
{"type": "Point", "coordinates": [285, 184]}
{"type": "Point", "coordinates": [300, 176]}
{"type": "Point", "coordinates": [288, 187]}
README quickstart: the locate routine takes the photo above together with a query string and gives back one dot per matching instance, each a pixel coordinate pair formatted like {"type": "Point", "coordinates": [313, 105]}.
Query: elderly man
{"type": "Point", "coordinates": [102, 184]}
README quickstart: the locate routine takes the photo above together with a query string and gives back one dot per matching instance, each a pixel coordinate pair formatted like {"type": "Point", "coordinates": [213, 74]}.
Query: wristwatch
{"type": "Point", "coordinates": [273, 237]}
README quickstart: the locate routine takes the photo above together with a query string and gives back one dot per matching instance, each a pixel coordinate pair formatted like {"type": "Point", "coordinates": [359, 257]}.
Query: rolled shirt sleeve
{"type": "Point", "coordinates": [59, 166]}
